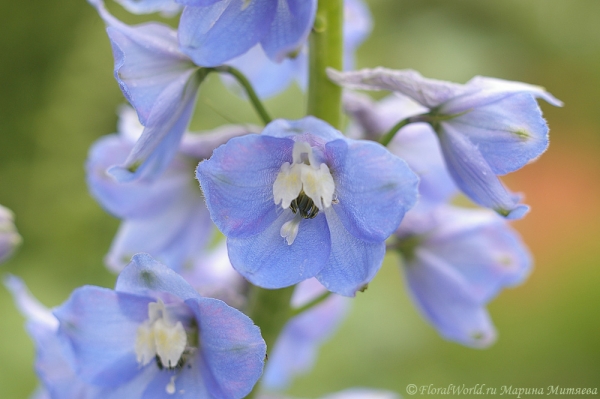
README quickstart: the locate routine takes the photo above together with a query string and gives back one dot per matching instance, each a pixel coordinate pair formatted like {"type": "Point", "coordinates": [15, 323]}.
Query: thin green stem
{"type": "Point", "coordinates": [428, 118]}
{"type": "Point", "coordinates": [245, 83]}
{"type": "Point", "coordinates": [326, 50]}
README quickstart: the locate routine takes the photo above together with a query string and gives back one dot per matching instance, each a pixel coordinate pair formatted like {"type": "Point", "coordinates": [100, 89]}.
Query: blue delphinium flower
{"type": "Point", "coordinates": [301, 200]}
{"type": "Point", "coordinates": [154, 336]}
{"type": "Point", "coordinates": [455, 261]}
{"type": "Point", "coordinates": [165, 217]}
{"type": "Point", "coordinates": [270, 78]}
{"type": "Point", "coordinates": [161, 83]}
{"type": "Point", "coordinates": [9, 238]}
{"type": "Point", "coordinates": [487, 127]}
{"type": "Point", "coordinates": [213, 32]}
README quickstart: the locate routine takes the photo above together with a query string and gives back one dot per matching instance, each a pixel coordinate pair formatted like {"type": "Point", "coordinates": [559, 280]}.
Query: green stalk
{"type": "Point", "coordinates": [326, 50]}
{"type": "Point", "coordinates": [270, 310]}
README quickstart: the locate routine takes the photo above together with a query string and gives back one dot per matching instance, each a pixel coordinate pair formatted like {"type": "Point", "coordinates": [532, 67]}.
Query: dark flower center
{"type": "Point", "coordinates": [304, 205]}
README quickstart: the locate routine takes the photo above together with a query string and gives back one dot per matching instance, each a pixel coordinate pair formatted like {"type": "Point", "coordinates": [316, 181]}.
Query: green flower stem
{"type": "Point", "coordinates": [245, 83]}
{"type": "Point", "coordinates": [270, 310]}
{"type": "Point", "coordinates": [326, 50]}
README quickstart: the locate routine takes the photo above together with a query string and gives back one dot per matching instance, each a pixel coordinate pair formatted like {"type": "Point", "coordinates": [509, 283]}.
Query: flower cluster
{"type": "Point", "coordinates": [308, 209]}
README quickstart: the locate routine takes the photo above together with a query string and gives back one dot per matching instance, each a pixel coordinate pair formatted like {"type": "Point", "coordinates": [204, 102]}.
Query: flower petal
{"type": "Point", "coordinates": [146, 276]}
{"type": "Point", "coordinates": [352, 262]}
{"type": "Point", "coordinates": [231, 348]}
{"type": "Point", "coordinates": [495, 84]}
{"type": "Point", "coordinates": [266, 260]}
{"type": "Point", "coordinates": [89, 320]}
{"type": "Point", "coordinates": [482, 247]}
{"type": "Point", "coordinates": [289, 30]}
{"type": "Point", "coordinates": [427, 92]}
{"type": "Point", "coordinates": [447, 302]}
{"type": "Point", "coordinates": [237, 182]}
{"type": "Point", "coordinates": [213, 34]}
{"type": "Point", "coordinates": [475, 177]}
{"type": "Point", "coordinates": [509, 132]}
{"type": "Point", "coordinates": [374, 188]}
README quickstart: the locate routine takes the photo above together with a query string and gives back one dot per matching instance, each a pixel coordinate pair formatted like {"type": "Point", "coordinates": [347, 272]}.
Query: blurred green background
{"type": "Point", "coordinates": [58, 96]}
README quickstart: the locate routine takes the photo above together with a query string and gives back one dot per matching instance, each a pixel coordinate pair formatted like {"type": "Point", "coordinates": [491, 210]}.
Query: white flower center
{"type": "Point", "coordinates": [158, 337]}
{"type": "Point", "coordinates": [305, 186]}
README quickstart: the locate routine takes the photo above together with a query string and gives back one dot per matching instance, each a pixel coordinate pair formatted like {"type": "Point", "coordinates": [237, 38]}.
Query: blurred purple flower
{"type": "Point", "coordinates": [301, 200]}
{"type": "Point", "coordinates": [487, 127]}
{"type": "Point", "coordinates": [161, 83]}
{"type": "Point", "coordinates": [455, 261]}
{"type": "Point", "coordinates": [165, 217]}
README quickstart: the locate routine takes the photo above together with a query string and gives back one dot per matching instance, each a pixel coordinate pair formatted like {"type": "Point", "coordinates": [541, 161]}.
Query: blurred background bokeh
{"type": "Point", "coordinates": [57, 96]}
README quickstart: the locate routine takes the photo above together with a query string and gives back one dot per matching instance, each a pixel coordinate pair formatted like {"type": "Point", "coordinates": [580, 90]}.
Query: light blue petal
{"type": "Point", "coordinates": [266, 260]}
{"type": "Point", "coordinates": [147, 60]}
{"type": "Point", "coordinates": [428, 92]}
{"type": "Point", "coordinates": [175, 236]}
{"type": "Point", "coordinates": [133, 199]}
{"type": "Point", "coordinates": [445, 299]}
{"type": "Point", "coordinates": [216, 33]}
{"type": "Point", "coordinates": [289, 30]}
{"type": "Point", "coordinates": [231, 348]}
{"type": "Point", "coordinates": [473, 175]}
{"type": "Point", "coordinates": [482, 247]}
{"type": "Point", "coordinates": [357, 26]}
{"type": "Point", "coordinates": [419, 147]}
{"type": "Point", "coordinates": [299, 128]}
{"type": "Point", "coordinates": [374, 188]}
{"type": "Point", "coordinates": [187, 381]}
{"type": "Point", "coordinates": [159, 142]}
{"type": "Point", "coordinates": [509, 132]}
{"type": "Point", "coordinates": [352, 262]}
{"type": "Point", "coordinates": [146, 276]}
{"type": "Point", "coordinates": [297, 347]}
{"type": "Point", "coordinates": [495, 84]}
{"type": "Point", "coordinates": [28, 305]}
{"type": "Point", "coordinates": [237, 182]}
{"type": "Point", "coordinates": [101, 325]}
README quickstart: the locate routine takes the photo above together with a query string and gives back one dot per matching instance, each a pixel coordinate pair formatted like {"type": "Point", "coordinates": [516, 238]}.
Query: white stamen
{"type": "Point", "coordinates": [158, 336]}
{"type": "Point", "coordinates": [289, 230]}
{"type": "Point", "coordinates": [304, 174]}
{"type": "Point", "coordinates": [170, 388]}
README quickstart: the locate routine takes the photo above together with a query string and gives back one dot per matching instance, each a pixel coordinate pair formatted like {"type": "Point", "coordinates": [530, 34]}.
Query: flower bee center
{"type": "Point", "coordinates": [305, 206]}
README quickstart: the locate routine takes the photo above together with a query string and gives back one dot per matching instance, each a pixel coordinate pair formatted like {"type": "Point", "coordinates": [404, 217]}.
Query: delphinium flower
{"type": "Point", "coordinates": [9, 238]}
{"type": "Point", "coordinates": [165, 217]}
{"type": "Point", "coordinates": [213, 32]}
{"type": "Point", "coordinates": [154, 336]}
{"type": "Point", "coordinates": [301, 200]}
{"type": "Point", "coordinates": [455, 260]}
{"type": "Point", "coordinates": [487, 127]}
{"type": "Point", "coordinates": [269, 77]}
{"type": "Point", "coordinates": [161, 83]}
